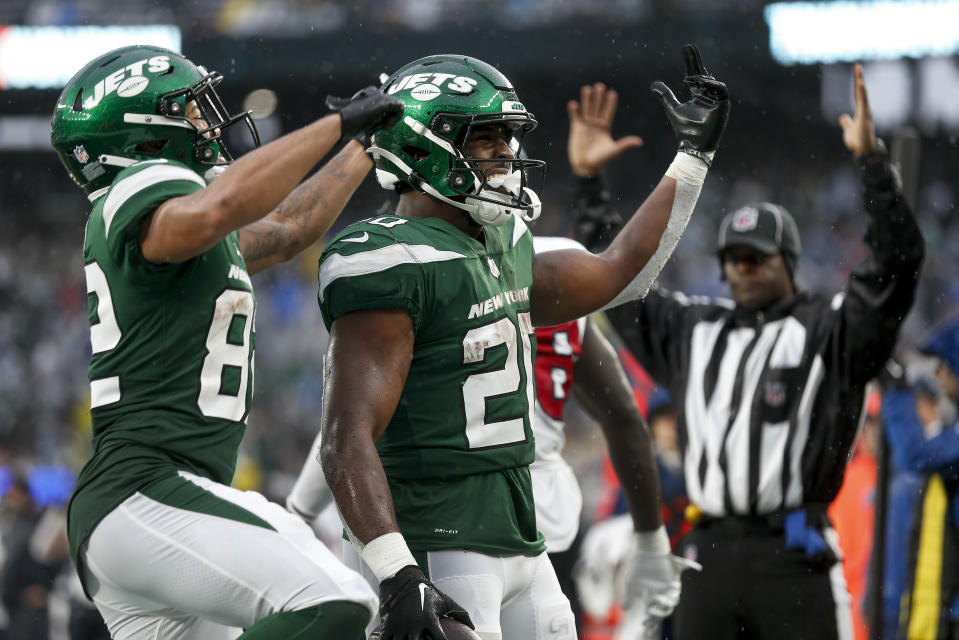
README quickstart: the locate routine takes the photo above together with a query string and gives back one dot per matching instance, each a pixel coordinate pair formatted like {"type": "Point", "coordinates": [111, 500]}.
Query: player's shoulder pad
{"type": "Point", "coordinates": [371, 234]}
{"type": "Point", "coordinates": [553, 243]}
{"type": "Point", "coordinates": [380, 244]}
{"type": "Point", "coordinates": [139, 188]}
{"type": "Point", "coordinates": [153, 172]}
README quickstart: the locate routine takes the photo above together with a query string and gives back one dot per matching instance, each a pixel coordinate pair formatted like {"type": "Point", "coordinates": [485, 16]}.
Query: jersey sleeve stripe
{"type": "Point", "coordinates": [376, 260]}
{"type": "Point", "coordinates": [128, 187]}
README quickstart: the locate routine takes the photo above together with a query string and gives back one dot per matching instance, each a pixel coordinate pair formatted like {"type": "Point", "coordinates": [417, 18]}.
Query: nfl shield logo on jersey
{"type": "Point", "coordinates": [81, 154]}
{"type": "Point", "coordinates": [745, 219]}
{"type": "Point", "coordinates": [775, 394]}
{"type": "Point", "coordinates": [492, 267]}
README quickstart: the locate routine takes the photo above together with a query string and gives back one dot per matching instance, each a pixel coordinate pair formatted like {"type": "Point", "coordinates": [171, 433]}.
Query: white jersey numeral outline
{"type": "Point", "coordinates": [105, 335]}
{"type": "Point", "coordinates": [221, 354]}
{"type": "Point", "coordinates": [478, 387]}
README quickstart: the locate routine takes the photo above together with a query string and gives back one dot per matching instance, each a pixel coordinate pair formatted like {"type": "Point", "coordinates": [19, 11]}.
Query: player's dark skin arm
{"type": "Point", "coordinates": [601, 387]}
{"type": "Point", "coordinates": [307, 213]}
{"type": "Point", "coordinates": [367, 362]}
{"type": "Point", "coordinates": [187, 226]}
{"type": "Point", "coordinates": [569, 284]}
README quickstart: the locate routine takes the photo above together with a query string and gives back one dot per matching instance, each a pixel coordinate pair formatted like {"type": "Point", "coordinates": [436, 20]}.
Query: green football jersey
{"type": "Point", "coordinates": [457, 449]}
{"type": "Point", "coordinates": [171, 374]}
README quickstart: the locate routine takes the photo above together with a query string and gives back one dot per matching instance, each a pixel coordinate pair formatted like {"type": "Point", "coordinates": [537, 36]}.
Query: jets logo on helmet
{"type": "Point", "coordinates": [445, 98]}
{"type": "Point", "coordinates": [453, 84]}
{"type": "Point", "coordinates": [130, 105]}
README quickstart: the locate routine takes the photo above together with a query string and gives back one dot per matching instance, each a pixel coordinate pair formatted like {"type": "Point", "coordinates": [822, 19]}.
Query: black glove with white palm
{"type": "Point", "coordinates": [368, 111]}
{"type": "Point", "coordinates": [652, 583]}
{"type": "Point", "coordinates": [411, 608]}
{"type": "Point", "coordinates": [700, 121]}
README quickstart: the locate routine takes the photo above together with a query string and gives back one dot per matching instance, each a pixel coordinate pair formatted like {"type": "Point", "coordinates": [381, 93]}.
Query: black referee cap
{"type": "Point", "coordinates": [766, 227]}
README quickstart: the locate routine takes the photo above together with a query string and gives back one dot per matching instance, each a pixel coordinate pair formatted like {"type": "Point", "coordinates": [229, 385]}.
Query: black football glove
{"type": "Point", "coordinates": [411, 607]}
{"type": "Point", "coordinates": [699, 122]}
{"type": "Point", "coordinates": [368, 111]}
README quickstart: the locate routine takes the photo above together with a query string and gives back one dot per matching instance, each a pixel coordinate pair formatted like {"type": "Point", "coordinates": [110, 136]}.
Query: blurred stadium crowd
{"type": "Point", "coordinates": [296, 17]}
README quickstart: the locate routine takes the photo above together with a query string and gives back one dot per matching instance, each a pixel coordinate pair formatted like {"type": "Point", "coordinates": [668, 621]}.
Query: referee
{"type": "Point", "coordinates": [769, 392]}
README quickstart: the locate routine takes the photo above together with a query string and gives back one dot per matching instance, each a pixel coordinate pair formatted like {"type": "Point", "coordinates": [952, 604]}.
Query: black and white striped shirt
{"type": "Point", "coordinates": [769, 402]}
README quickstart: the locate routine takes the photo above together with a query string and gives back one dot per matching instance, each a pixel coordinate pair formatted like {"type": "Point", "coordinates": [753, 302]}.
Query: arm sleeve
{"type": "Point", "coordinates": [882, 287]}
{"type": "Point", "coordinates": [683, 204]}
{"type": "Point", "coordinates": [598, 222]}
{"type": "Point", "coordinates": [910, 448]}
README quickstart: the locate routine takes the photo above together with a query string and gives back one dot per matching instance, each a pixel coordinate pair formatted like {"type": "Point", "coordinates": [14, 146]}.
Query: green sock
{"type": "Point", "coordinates": [339, 619]}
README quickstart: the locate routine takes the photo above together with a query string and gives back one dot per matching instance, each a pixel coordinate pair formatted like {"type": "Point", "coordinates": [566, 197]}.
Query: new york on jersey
{"type": "Point", "coordinates": [171, 375]}
{"type": "Point", "coordinates": [458, 446]}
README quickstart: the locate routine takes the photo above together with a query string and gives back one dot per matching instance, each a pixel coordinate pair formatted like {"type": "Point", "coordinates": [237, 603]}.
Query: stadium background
{"type": "Point", "coordinates": [782, 145]}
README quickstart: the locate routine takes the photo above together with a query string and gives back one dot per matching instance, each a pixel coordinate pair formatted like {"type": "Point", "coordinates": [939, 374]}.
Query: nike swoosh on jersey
{"type": "Point", "coordinates": [362, 238]}
{"type": "Point", "coordinates": [422, 596]}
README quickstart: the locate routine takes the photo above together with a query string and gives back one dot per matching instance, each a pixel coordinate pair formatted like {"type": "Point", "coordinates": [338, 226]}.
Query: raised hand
{"type": "Point", "coordinates": [859, 133]}
{"type": "Point", "coordinates": [591, 145]}
{"type": "Point", "coordinates": [700, 121]}
{"type": "Point", "coordinates": [368, 111]}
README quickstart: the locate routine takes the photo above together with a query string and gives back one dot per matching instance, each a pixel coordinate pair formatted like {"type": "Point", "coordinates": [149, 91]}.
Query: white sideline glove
{"type": "Point", "coordinates": [599, 573]}
{"type": "Point", "coordinates": [653, 580]}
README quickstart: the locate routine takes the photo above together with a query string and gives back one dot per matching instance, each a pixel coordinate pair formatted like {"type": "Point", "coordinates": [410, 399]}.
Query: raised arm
{"type": "Point", "coordinates": [569, 284]}
{"type": "Point", "coordinates": [307, 213]}
{"type": "Point", "coordinates": [882, 286]}
{"type": "Point", "coordinates": [250, 188]}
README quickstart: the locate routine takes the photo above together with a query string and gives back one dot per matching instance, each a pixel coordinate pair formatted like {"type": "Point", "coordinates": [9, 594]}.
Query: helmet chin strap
{"type": "Point", "coordinates": [214, 172]}
{"type": "Point", "coordinates": [495, 214]}
{"type": "Point", "coordinates": [481, 211]}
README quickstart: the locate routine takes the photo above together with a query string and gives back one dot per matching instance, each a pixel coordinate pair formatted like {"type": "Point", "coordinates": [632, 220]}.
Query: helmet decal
{"type": "Point", "coordinates": [112, 82]}
{"type": "Point", "coordinates": [454, 84]}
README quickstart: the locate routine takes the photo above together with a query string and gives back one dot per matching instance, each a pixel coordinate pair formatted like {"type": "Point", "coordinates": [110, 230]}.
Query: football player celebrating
{"type": "Point", "coordinates": [164, 546]}
{"type": "Point", "coordinates": [576, 359]}
{"type": "Point", "coordinates": [429, 380]}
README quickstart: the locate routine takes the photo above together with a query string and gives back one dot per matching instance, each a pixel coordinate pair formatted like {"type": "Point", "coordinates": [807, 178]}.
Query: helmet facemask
{"type": "Point", "coordinates": [210, 144]}
{"type": "Point", "coordinates": [494, 184]}
{"type": "Point", "coordinates": [208, 147]}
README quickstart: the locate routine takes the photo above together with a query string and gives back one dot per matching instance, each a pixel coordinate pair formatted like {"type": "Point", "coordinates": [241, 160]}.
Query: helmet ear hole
{"type": "Point", "coordinates": [151, 147]}
{"type": "Point", "coordinates": [415, 152]}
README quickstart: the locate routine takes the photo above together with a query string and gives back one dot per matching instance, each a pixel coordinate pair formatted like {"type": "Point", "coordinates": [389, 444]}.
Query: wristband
{"type": "Point", "coordinates": [688, 168]}
{"type": "Point", "coordinates": [387, 554]}
{"type": "Point", "coordinates": [656, 541]}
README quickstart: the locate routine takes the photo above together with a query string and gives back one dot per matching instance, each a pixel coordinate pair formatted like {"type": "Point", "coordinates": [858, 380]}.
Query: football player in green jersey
{"type": "Point", "coordinates": [164, 546]}
{"type": "Point", "coordinates": [426, 424]}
